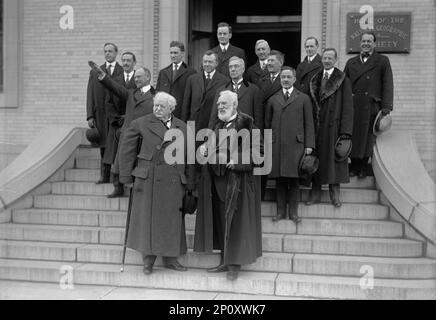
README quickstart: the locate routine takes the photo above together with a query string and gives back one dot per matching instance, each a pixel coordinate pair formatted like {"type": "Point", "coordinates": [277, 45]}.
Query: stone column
{"type": "Point", "coordinates": [311, 24]}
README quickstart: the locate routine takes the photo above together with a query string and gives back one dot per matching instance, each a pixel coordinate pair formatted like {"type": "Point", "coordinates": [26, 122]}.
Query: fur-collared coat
{"type": "Point", "coordinates": [333, 117]}
{"type": "Point", "coordinates": [373, 89]}
{"type": "Point", "coordinates": [156, 222]}
{"type": "Point", "coordinates": [243, 234]}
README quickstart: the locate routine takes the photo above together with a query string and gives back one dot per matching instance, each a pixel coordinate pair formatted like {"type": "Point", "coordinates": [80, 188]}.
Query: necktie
{"type": "Point", "coordinates": [235, 87]}
{"type": "Point", "coordinates": [224, 50]}
{"type": "Point", "coordinates": [127, 79]}
{"type": "Point", "coordinates": [324, 79]}
{"type": "Point", "coordinates": [272, 78]}
{"type": "Point", "coordinates": [263, 65]}
{"type": "Point", "coordinates": [175, 72]}
{"type": "Point", "coordinates": [206, 83]}
{"type": "Point", "coordinates": [109, 69]}
{"type": "Point", "coordinates": [287, 95]}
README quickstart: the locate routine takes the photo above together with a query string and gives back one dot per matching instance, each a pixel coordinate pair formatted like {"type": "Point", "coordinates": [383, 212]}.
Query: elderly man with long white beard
{"type": "Point", "coordinates": [228, 214]}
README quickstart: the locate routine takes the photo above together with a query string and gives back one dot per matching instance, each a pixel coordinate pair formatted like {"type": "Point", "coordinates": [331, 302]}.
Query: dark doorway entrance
{"type": "Point", "coordinates": [278, 22]}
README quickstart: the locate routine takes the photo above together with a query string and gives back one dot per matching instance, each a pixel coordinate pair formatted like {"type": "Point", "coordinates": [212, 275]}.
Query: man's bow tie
{"type": "Point", "coordinates": [365, 54]}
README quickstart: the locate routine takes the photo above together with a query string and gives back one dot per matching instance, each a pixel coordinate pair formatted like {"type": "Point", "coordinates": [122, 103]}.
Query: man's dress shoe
{"type": "Point", "coordinates": [220, 268]}
{"type": "Point", "coordinates": [148, 269]}
{"type": "Point", "coordinates": [117, 193]}
{"type": "Point", "coordinates": [175, 266]}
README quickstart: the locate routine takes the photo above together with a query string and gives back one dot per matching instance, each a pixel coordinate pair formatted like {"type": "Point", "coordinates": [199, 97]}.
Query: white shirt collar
{"type": "Point", "coordinates": [225, 47]}
{"type": "Point", "coordinates": [310, 59]}
{"type": "Point", "coordinates": [275, 75]}
{"type": "Point", "coordinates": [129, 74]}
{"type": "Point", "coordinates": [110, 63]}
{"type": "Point", "coordinates": [231, 119]}
{"type": "Point", "coordinates": [210, 74]}
{"type": "Point", "coordinates": [178, 65]}
{"type": "Point", "coordinates": [145, 89]}
{"type": "Point", "coordinates": [329, 72]}
{"type": "Point", "coordinates": [288, 90]}
{"type": "Point", "coordinates": [239, 81]}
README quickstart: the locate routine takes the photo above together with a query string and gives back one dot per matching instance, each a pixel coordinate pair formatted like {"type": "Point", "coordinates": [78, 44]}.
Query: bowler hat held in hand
{"type": "Point", "coordinates": [382, 123]}
{"type": "Point", "coordinates": [342, 148]}
{"type": "Point", "coordinates": [93, 135]}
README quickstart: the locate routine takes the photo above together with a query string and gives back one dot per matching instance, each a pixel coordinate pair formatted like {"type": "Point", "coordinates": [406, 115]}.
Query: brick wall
{"type": "Point", "coordinates": [55, 70]}
{"type": "Point", "coordinates": [414, 73]}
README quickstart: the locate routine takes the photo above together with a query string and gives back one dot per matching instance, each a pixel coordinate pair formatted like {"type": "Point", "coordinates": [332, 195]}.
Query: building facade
{"type": "Point", "coordinates": [47, 43]}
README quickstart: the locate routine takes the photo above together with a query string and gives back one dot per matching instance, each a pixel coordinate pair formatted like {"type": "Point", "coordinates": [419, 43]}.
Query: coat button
{"type": "Point", "coordinates": [158, 147]}
{"type": "Point", "coordinates": [368, 77]}
{"type": "Point", "coordinates": [366, 93]}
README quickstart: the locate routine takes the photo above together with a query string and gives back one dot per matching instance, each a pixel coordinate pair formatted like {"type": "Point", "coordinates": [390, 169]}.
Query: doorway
{"type": "Point", "coordinates": [277, 22]}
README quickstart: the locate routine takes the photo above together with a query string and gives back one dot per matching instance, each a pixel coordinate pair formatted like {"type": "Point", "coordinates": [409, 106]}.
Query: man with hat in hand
{"type": "Point", "coordinates": [289, 114]}
{"type": "Point", "coordinates": [331, 95]}
{"type": "Point", "coordinates": [373, 91]}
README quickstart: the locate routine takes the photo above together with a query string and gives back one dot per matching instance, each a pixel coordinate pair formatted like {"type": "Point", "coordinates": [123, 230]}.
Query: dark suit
{"type": "Point", "coordinates": [176, 88]}
{"type": "Point", "coordinates": [137, 105]}
{"type": "Point", "coordinates": [96, 107]}
{"type": "Point", "coordinates": [293, 130]}
{"type": "Point", "coordinates": [223, 58]}
{"type": "Point", "coordinates": [198, 99]}
{"type": "Point", "coordinates": [305, 71]}
{"type": "Point", "coordinates": [255, 73]}
{"type": "Point", "coordinates": [373, 89]}
{"type": "Point", "coordinates": [249, 102]}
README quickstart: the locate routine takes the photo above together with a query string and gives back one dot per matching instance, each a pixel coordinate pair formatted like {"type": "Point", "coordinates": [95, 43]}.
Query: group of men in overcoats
{"type": "Point", "coordinates": [310, 110]}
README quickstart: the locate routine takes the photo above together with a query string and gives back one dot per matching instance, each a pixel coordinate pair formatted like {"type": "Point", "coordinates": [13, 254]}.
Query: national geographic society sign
{"type": "Point", "coordinates": [391, 29]}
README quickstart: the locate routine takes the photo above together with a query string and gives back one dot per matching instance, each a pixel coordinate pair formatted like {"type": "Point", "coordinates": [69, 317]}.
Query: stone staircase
{"type": "Point", "coordinates": [352, 252]}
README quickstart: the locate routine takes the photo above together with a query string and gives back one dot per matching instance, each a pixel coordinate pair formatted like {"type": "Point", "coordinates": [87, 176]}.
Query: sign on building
{"type": "Point", "coordinates": [391, 29]}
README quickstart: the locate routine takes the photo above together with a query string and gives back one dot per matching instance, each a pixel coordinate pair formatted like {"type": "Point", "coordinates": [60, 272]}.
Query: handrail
{"type": "Point", "coordinates": [403, 179]}
{"type": "Point", "coordinates": [43, 156]}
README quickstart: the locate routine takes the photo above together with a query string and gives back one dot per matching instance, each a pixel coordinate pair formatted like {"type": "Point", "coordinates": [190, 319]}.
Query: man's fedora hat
{"type": "Point", "coordinates": [342, 148]}
{"type": "Point", "coordinates": [93, 136]}
{"type": "Point", "coordinates": [382, 123]}
{"type": "Point", "coordinates": [308, 165]}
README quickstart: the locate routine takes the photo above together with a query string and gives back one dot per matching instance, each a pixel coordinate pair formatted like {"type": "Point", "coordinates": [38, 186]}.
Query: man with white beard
{"type": "Point", "coordinates": [228, 213]}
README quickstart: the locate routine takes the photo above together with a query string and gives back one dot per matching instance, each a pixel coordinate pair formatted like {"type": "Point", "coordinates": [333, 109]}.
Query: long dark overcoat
{"type": "Point", "coordinates": [137, 105]}
{"type": "Point", "coordinates": [292, 127]}
{"type": "Point", "coordinates": [96, 101]}
{"type": "Point", "coordinates": [176, 88]}
{"type": "Point", "coordinates": [243, 236]}
{"type": "Point", "coordinates": [198, 99]}
{"type": "Point", "coordinates": [305, 71]}
{"type": "Point", "coordinates": [373, 89]}
{"type": "Point", "coordinates": [116, 108]}
{"type": "Point", "coordinates": [333, 116]}
{"type": "Point", "coordinates": [249, 102]}
{"type": "Point", "coordinates": [157, 224]}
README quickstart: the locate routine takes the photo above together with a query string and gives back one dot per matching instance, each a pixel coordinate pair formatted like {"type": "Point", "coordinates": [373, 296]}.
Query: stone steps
{"type": "Point", "coordinates": [92, 189]}
{"type": "Point", "coordinates": [339, 227]}
{"type": "Point", "coordinates": [401, 268]}
{"type": "Point", "coordinates": [116, 218]}
{"type": "Point", "coordinates": [271, 242]}
{"type": "Point", "coordinates": [92, 175]}
{"type": "Point", "coordinates": [262, 283]}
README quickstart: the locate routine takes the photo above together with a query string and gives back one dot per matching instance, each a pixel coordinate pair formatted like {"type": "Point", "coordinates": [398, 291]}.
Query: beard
{"type": "Point", "coordinates": [225, 116]}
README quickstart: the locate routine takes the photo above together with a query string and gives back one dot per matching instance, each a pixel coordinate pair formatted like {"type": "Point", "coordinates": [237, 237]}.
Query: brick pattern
{"type": "Point", "coordinates": [55, 70]}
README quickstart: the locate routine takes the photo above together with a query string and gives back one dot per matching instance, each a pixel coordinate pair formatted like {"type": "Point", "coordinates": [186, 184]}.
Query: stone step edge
{"type": "Point", "coordinates": [311, 277]}
{"type": "Point", "coordinates": [79, 246]}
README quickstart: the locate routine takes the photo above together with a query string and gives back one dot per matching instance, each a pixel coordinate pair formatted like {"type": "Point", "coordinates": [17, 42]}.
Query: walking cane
{"type": "Point", "coordinates": [129, 210]}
